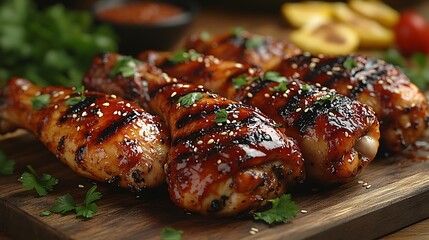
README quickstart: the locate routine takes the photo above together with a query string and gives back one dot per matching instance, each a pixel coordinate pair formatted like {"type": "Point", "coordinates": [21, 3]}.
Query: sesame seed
{"type": "Point", "coordinates": [252, 232]}
{"type": "Point", "coordinates": [173, 94]}
{"type": "Point", "coordinates": [247, 88]}
{"type": "Point", "coordinates": [360, 182]}
{"type": "Point", "coordinates": [368, 187]}
{"type": "Point", "coordinates": [228, 122]}
{"type": "Point", "coordinates": [296, 75]}
{"type": "Point", "coordinates": [128, 105]}
{"type": "Point", "coordinates": [293, 83]}
{"type": "Point", "coordinates": [324, 88]}
{"type": "Point", "coordinates": [284, 94]}
{"type": "Point", "coordinates": [312, 65]}
{"type": "Point", "coordinates": [336, 69]}
{"type": "Point", "coordinates": [67, 97]}
{"type": "Point", "coordinates": [304, 211]}
{"type": "Point", "coordinates": [298, 110]}
{"type": "Point", "coordinates": [106, 104]}
{"type": "Point", "coordinates": [318, 85]}
{"type": "Point", "coordinates": [74, 115]}
{"type": "Point", "coordinates": [219, 161]}
{"type": "Point", "coordinates": [84, 114]}
{"type": "Point", "coordinates": [249, 95]}
{"type": "Point", "coordinates": [329, 73]}
{"type": "Point", "coordinates": [80, 186]}
{"type": "Point", "coordinates": [350, 87]}
{"type": "Point", "coordinates": [306, 110]}
{"type": "Point", "coordinates": [294, 65]}
{"type": "Point", "coordinates": [210, 141]}
{"type": "Point", "coordinates": [365, 184]}
{"type": "Point", "coordinates": [194, 105]}
{"type": "Point", "coordinates": [254, 229]}
{"type": "Point", "coordinates": [234, 121]}
{"type": "Point", "coordinates": [266, 95]}
{"type": "Point", "coordinates": [123, 114]}
{"type": "Point", "coordinates": [389, 81]}
{"type": "Point", "coordinates": [231, 133]}
{"type": "Point", "coordinates": [219, 124]}
{"type": "Point", "coordinates": [235, 116]}
{"type": "Point", "coordinates": [346, 134]}
{"type": "Point", "coordinates": [380, 82]}
{"type": "Point", "coordinates": [92, 105]}
{"type": "Point", "coordinates": [78, 128]}
{"type": "Point", "coordinates": [56, 107]}
{"type": "Point", "coordinates": [200, 86]}
{"type": "Point", "coordinates": [331, 114]}
{"type": "Point", "coordinates": [223, 133]}
{"type": "Point", "coordinates": [200, 142]}
{"type": "Point", "coordinates": [307, 54]}
{"type": "Point", "coordinates": [113, 96]}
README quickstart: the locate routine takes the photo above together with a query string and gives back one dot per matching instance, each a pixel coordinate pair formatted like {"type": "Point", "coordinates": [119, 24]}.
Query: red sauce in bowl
{"type": "Point", "coordinates": [140, 12]}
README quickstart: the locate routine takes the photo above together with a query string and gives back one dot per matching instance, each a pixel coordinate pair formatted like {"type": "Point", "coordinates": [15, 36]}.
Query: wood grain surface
{"type": "Point", "coordinates": [398, 197]}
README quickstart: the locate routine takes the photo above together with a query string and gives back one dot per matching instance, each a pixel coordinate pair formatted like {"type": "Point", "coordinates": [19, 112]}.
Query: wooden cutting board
{"type": "Point", "coordinates": [398, 196]}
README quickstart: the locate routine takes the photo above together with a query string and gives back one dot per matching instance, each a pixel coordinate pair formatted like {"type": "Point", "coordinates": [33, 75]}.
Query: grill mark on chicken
{"type": "Point", "coordinates": [78, 107]}
{"type": "Point", "coordinates": [79, 154]}
{"type": "Point", "coordinates": [114, 127]}
{"type": "Point", "coordinates": [60, 147]}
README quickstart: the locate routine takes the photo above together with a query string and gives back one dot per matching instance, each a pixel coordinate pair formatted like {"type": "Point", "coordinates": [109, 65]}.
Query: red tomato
{"type": "Point", "coordinates": [412, 33]}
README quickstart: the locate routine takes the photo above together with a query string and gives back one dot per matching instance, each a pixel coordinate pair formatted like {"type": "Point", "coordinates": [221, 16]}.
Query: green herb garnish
{"type": "Point", "coordinates": [42, 184]}
{"type": "Point", "coordinates": [306, 87]}
{"type": "Point", "coordinates": [274, 76]}
{"type": "Point", "coordinates": [190, 98]}
{"type": "Point", "coordinates": [221, 116]}
{"type": "Point", "coordinates": [184, 56]}
{"type": "Point", "coordinates": [278, 125]}
{"type": "Point", "coordinates": [329, 98]}
{"type": "Point", "coordinates": [283, 210]}
{"type": "Point", "coordinates": [239, 81]}
{"type": "Point", "coordinates": [280, 87]}
{"type": "Point", "coordinates": [58, 42]}
{"type": "Point", "coordinates": [41, 101]}
{"type": "Point", "coordinates": [350, 63]}
{"type": "Point", "coordinates": [238, 31]}
{"type": "Point", "coordinates": [170, 233]}
{"type": "Point", "coordinates": [254, 42]}
{"type": "Point", "coordinates": [127, 66]}
{"type": "Point", "coordinates": [74, 100]}
{"type": "Point", "coordinates": [66, 204]}
{"type": "Point", "coordinates": [6, 166]}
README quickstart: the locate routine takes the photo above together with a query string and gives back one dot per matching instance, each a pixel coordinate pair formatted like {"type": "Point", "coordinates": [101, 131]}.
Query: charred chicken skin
{"type": "Point", "coordinates": [338, 136]}
{"type": "Point", "coordinates": [242, 46]}
{"type": "Point", "coordinates": [98, 136]}
{"type": "Point", "coordinates": [399, 105]}
{"type": "Point", "coordinates": [225, 157]}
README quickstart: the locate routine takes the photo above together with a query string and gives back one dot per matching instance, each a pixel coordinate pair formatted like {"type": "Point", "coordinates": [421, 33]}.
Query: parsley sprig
{"type": "Point", "coordinates": [274, 77]}
{"type": "Point", "coordinates": [126, 65]}
{"type": "Point", "coordinates": [416, 68]}
{"type": "Point", "coordinates": [349, 63]}
{"type": "Point", "coordinates": [66, 204]}
{"type": "Point", "coordinates": [42, 184]}
{"type": "Point", "coordinates": [6, 165]}
{"type": "Point", "coordinates": [190, 98]}
{"type": "Point", "coordinates": [75, 100]}
{"type": "Point", "coordinates": [170, 233]}
{"type": "Point", "coordinates": [283, 210]}
{"type": "Point", "coordinates": [239, 81]}
{"type": "Point", "coordinates": [254, 42]}
{"type": "Point", "coordinates": [329, 98]}
{"type": "Point", "coordinates": [280, 87]}
{"type": "Point", "coordinates": [184, 56]}
{"type": "Point", "coordinates": [221, 116]}
{"type": "Point", "coordinates": [41, 101]}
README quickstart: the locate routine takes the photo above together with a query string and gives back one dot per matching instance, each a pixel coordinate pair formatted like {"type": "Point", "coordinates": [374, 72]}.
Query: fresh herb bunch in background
{"type": "Point", "coordinates": [49, 47]}
{"type": "Point", "coordinates": [416, 67]}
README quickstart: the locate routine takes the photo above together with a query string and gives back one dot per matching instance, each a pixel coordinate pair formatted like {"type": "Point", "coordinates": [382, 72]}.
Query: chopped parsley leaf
{"type": "Point", "coordinates": [42, 184]}
{"type": "Point", "coordinates": [350, 63]}
{"type": "Point", "coordinates": [127, 66]}
{"type": "Point", "coordinates": [184, 56]}
{"type": "Point", "coordinates": [74, 100]}
{"type": "Point", "coordinates": [329, 98]}
{"type": "Point", "coordinates": [41, 101]}
{"type": "Point", "coordinates": [170, 233]}
{"type": "Point", "coordinates": [254, 42]}
{"type": "Point", "coordinates": [6, 166]}
{"type": "Point", "coordinates": [306, 87]}
{"type": "Point", "coordinates": [205, 36]}
{"type": "Point", "coordinates": [280, 87]}
{"type": "Point", "coordinates": [190, 98]}
{"type": "Point", "coordinates": [221, 116]}
{"type": "Point", "coordinates": [274, 77]}
{"type": "Point", "coordinates": [239, 81]}
{"type": "Point", "coordinates": [283, 210]}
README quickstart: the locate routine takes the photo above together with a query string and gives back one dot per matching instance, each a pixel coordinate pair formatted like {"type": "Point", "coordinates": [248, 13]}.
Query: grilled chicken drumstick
{"type": "Point", "coordinates": [338, 136]}
{"type": "Point", "coordinates": [98, 136]}
{"type": "Point", "coordinates": [399, 105]}
{"type": "Point", "coordinates": [225, 157]}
